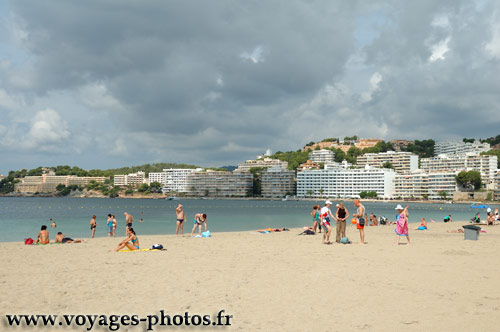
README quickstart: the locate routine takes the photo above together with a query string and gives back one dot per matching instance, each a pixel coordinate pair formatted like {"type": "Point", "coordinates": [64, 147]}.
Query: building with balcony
{"type": "Point", "coordinates": [176, 179]}
{"type": "Point", "coordinates": [277, 182]}
{"type": "Point", "coordinates": [345, 183]}
{"type": "Point", "coordinates": [423, 185]}
{"type": "Point", "coordinates": [262, 162]}
{"type": "Point", "coordinates": [401, 161]}
{"type": "Point", "coordinates": [48, 183]}
{"type": "Point", "coordinates": [322, 156]}
{"type": "Point", "coordinates": [457, 147]}
{"type": "Point", "coordinates": [220, 184]}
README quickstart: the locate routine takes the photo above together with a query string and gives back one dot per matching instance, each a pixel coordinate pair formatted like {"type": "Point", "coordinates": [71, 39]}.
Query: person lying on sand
{"type": "Point", "coordinates": [272, 230]}
{"type": "Point", "coordinates": [131, 242]}
{"type": "Point", "coordinates": [456, 231]}
{"type": "Point", "coordinates": [43, 235]}
{"type": "Point", "coordinates": [61, 238]}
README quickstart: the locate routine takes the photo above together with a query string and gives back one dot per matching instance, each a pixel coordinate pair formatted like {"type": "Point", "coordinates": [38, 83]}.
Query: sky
{"type": "Point", "coordinates": [104, 84]}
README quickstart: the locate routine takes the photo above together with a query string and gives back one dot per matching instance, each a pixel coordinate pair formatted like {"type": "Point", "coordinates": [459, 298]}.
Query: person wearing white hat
{"type": "Point", "coordinates": [402, 224]}
{"type": "Point", "coordinates": [325, 215]}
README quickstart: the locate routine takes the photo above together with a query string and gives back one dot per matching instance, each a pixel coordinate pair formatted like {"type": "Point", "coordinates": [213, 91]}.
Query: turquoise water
{"type": "Point", "coordinates": [21, 217]}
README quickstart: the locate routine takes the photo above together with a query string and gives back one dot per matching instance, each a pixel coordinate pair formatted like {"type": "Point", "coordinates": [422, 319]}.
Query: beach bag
{"type": "Point", "coordinates": [345, 240]}
{"type": "Point", "coordinates": [157, 246]}
{"type": "Point", "coordinates": [361, 221]}
{"type": "Point", "coordinates": [29, 241]}
{"type": "Point", "coordinates": [205, 234]}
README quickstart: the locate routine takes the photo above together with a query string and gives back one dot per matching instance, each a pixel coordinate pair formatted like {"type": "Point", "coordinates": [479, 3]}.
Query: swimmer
{"type": "Point", "coordinates": [52, 223]}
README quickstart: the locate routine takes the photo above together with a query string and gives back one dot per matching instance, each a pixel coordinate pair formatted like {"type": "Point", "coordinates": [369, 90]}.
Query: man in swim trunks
{"type": "Point", "coordinates": [43, 235]}
{"type": "Point", "coordinates": [199, 219]}
{"type": "Point", "coordinates": [61, 238]}
{"type": "Point", "coordinates": [128, 221]}
{"type": "Point", "coordinates": [180, 219]}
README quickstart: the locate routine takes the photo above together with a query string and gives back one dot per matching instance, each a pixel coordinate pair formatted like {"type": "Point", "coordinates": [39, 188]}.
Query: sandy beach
{"type": "Point", "coordinates": [268, 282]}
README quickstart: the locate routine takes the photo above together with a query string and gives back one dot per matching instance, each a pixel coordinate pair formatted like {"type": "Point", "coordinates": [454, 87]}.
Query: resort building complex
{"type": "Point", "coordinates": [131, 179]}
{"type": "Point", "coordinates": [48, 183]}
{"type": "Point", "coordinates": [423, 185]}
{"type": "Point", "coordinates": [400, 161]}
{"type": "Point", "coordinates": [262, 162]}
{"type": "Point", "coordinates": [220, 184]}
{"type": "Point", "coordinates": [345, 183]}
{"type": "Point", "coordinates": [277, 182]}
{"type": "Point", "coordinates": [176, 179]}
{"type": "Point", "coordinates": [457, 147]}
{"type": "Point", "coordinates": [322, 156]}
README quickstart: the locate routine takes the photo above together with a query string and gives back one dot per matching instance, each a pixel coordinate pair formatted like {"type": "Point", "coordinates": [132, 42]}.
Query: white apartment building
{"type": "Point", "coordinates": [322, 156]}
{"type": "Point", "coordinates": [220, 184]}
{"type": "Point", "coordinates": [130, 179]}
{"type": "Point", "coordinates": [457, 147]}
{"type": "Point", "coordinates": [262, 162]}
{"type": "Point", "coordinates": [497, 186]}
{"type": "Point", "coordinates": [420, 184]}
{"type": "Point", "coordinates": [484, 164]}
{"type": "Point", "coordinates": [156, 177]}
{"type": "Point", "coordinates": [176, 179]}
{"type": "Point", "coordinates": [48, 183]}
{"type": "Point", "coordinates": [345, 183]}
{"type": "Point", "coordinates": [402, 161]}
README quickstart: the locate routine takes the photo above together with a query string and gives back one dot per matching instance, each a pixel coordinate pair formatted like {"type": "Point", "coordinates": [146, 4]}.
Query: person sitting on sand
{"type": "Point", "coordinates": [199, 220]}
{"type": "Point", "coordinates": [43, 236]}
{"type": "Point", "coordinates": [61, 238]}
{"type": "Point", "coordinates": [423, 225]}
{"type": "Point", "coordinates": [373, 219]}
{"type": "Point", "coordinates": [491, 219]}
{"type": "Point", "coordinates": [131, 242]}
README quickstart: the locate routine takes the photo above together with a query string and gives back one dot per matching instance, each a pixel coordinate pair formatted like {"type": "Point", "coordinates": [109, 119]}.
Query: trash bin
{"type": "Point", "coordinates": [471, 232]}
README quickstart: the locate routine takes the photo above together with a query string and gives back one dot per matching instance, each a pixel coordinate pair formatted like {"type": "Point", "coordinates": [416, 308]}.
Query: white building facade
{"type": "Point", "coordinates": [277, 182]}
{"type": "Point", "coordinates": [422, 185]}
{"type": "Point", "coordinates": [157, 177]}
{"type": "Point", "coordinates": [322, 156]}
{"type": "Point", "coordinates": [345, 183]}
{"type": "Point", "coordinates": [262, 162]}
{"type": "Point", "coordinates": [401, 161]}
{"type": "Point", "coordinates": [176, 179]}
{"type": "Point", "coordinates": [456, 147]}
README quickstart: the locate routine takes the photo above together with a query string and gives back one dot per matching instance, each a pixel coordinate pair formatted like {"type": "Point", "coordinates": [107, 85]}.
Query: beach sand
{"type": "Point", "coordinates": [268, 282]}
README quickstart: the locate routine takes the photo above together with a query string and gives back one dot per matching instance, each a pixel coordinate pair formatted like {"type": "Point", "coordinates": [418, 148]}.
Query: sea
{"type": "Point", "coordinates": [22, 217]}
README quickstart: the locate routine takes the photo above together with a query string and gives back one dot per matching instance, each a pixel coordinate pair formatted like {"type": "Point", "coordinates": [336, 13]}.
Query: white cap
{"type": "Point", "coordinates": [488, 210]}
{"type": "Point", "coordinates": [337, 205]}
{"type": "Point", "coordinates": [328, 202]}
{"type": "Point", "coordinates": [399, 207]}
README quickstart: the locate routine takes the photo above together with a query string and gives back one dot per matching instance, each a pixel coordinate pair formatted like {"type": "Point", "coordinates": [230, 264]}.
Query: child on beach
{"type": "Point", "coordinates": [315, 218]}
{"type": "Point", "coordinates": [131, 242]}
{"type": "Point", "coordinates": [402, 224]}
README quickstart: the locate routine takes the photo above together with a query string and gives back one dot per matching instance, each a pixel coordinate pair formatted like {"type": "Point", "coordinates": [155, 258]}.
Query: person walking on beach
{"type": "Point", "coordinates": [361, 220]}
{"type": "Point", "coordinates": [109, 223]}
{"type": "Point", "coordinates": [325, 215]}
{"type": "Point", "coordinates": [93, 226]}
{"type": "Point", "coordinates": [402, 224]}
{"type": "Point", "coordinates": [128, 221]}
{"type": "Point", "coordinates": [114, 224]}
{"type": "Point", "coordinates": [131, 242]}
{"type": "Point", "coordinates": [315, 217]}
{"type": "Point", "coordinates": [180, 219]}
{"type": "Point", "coordinates": [199, 220]}
{"type": "Point", "coordinates": [341, 216]}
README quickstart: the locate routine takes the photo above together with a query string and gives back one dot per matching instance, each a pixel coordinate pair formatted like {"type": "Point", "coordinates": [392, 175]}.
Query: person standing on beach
{"type": "Point", "coordinates": [109, 222]}
{"type": "Point", "coordinates": [93, 226]}
{"type": "Point", "coordinates": [199, 220]}
{"type": "Point", "coordinates": [316, 219]}
{"type": "Point", "coordinates": [325, 215]}
{"type": "Point", "coordinates": [180, 219]}
{"type": "Point", "coordinates": [402, 224]}
{"type": "Point", "coordinates": [128, 221]}
{"type": "Point", "coordinates": [114, 224]}
{"type": "Point", "coordinates": [341, 216]}
{"type": "Point", "coordinates": [361, 220]}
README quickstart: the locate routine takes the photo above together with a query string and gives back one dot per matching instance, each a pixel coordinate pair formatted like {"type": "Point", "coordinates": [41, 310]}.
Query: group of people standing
{"type": "Point", "coordinates": [323, 219]}
{"type": "Point", "coordinates": [200, 219]}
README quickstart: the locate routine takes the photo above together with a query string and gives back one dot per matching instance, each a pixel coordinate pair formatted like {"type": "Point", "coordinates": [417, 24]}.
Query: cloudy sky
{"type": "Point", "coordinates": [103, 84]}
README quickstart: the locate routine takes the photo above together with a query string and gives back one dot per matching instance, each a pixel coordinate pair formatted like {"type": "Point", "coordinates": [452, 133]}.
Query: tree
{"type": "Point", "coordinates": [257, 180]}
{"type": "Point", "coordinates": [470, 180]}
{"type": "Point", "coordinates": [155, 186]}
{"type": "Point", "coordinates": [443, 195]}
{"type": "Point", "coordinates": [317, 148]}
{"type": "Point", "coordinates": [368, 194]}
{"type": "Point", "coordinates": [309, 193]}
{"type": "Point", "coordinates": [207, 192]}
{"type": "Point", "coordinates": [425, 148]}
{"type": "Point", "coordinates": [143, 188]}
{"type": "Point", "coordinates": [387, 164]}
{"type": "Point", "coordinates": [468, 140]}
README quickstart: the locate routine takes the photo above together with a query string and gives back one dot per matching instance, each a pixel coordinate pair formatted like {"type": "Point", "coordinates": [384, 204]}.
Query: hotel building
{"type": "Point", "coordinates": [456, 147]}
{"type": "Point", "coordinates": [401, 161]}
{"type": "Point", "coordinates": [484, 164]}
{"type": "Point", "coordinates": [262, 162]}
{"type": "Point", "coordinates": [156, 177]}
{"type": "Point", "coordinates": [277, 182]}
{"type": "Point", "coordinates": [345, 183]}
{"type": "Point", "coordinates": [176, 179]}
{"type": "Point", "coordinates": [48, 183]}
{"type": "Point", "coordinates": [131, 179]}
{"type": "Point", "coordinates": [322, 156]}
{"type": "Point", "coordinates": [220, 184]}
{"type": "Point", "coordinates": [422, 185]}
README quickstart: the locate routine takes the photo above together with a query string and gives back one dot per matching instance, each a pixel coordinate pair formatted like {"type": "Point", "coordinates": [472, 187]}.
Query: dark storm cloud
{"type": "Point", "coordinates": [216, 82]}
